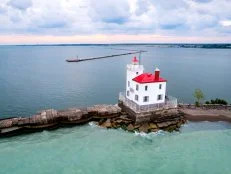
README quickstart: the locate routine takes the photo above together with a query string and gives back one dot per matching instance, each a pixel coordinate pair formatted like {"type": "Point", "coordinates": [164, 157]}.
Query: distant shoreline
{"type": "Point", "coordinates": [160, 45]}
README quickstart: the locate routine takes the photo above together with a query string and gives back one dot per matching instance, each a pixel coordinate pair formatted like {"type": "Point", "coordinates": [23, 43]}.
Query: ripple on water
{"type": "Point", "coordinates": [90, 149]}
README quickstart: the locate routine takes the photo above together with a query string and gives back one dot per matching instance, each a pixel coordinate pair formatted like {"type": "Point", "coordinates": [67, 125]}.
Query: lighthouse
{"type": "Point", "coordinates": [145, 92]}
{"type": "Point", "coordinates": [144, 88]}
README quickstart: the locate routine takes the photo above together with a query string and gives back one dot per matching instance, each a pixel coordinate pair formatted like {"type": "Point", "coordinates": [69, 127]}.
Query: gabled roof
{"type": "Point", "coordinates": [148, 78]}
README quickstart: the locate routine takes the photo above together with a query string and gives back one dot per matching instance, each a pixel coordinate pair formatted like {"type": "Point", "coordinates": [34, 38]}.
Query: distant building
{"type": "Point", "coordinates": [145, 91]}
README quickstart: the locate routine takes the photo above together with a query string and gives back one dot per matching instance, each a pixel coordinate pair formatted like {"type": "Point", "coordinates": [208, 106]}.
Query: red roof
{"type": "Point", "coordinates": [148, 78]}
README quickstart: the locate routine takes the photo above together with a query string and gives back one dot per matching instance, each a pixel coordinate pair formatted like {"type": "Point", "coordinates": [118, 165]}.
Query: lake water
{"type": "Point", "coordinates": [202, 148]}
{"type": "Point", "coordinates": [33, 78]}
{"type": "Point", "coordinates": [37, 77]}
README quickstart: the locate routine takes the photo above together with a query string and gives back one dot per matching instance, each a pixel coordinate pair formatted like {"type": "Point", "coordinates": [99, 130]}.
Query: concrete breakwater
{"type": "Point", "coordinates": [206, 112]}
{"type": "Point", "coordinates": [108, 116]}
{"type": "Point", "coordinates": [113, 116]}
{"type": "Point", "coordinates": [103, 57]}
{"type": "Point", "coordinates": [49, 119]}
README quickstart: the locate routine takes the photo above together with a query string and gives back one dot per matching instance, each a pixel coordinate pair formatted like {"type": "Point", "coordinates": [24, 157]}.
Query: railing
{"type": "Point", "coordinates": [170, 102]}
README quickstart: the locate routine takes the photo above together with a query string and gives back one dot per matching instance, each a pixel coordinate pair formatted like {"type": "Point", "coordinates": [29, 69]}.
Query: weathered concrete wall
{"type": "Point", "coordinates": [51, 118]}
{"type": "Point", "coordinates": [159, 116]}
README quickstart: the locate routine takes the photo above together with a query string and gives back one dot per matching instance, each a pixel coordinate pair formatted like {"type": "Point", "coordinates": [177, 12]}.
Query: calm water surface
{"type": "Point", "coordinates": [33, 78]}
{"type": "Point", "coordinates": [37, 77]}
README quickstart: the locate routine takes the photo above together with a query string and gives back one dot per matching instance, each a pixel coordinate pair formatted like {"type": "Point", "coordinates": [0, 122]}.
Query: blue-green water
{"type": "Point", "coordinates": [37, 77]}
{"type": "Point", "coordinates": [202, 148]}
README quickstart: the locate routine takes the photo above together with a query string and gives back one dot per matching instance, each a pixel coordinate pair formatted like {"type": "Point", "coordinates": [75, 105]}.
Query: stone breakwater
{"type": "Point", "coordinates": [168, 120]}
{"type": "Point", "coordinates": [108, 116]}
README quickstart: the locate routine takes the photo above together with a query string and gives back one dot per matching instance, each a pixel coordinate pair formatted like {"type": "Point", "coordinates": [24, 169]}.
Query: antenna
{"type": "Point", "coordinates": [140, 56]}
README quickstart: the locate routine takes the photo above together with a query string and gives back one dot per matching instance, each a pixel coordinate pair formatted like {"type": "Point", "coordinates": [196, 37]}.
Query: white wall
{"type": "Point", "coordinates": [152, 92]}
{"type": "Point", "coordinates": [132, 73]}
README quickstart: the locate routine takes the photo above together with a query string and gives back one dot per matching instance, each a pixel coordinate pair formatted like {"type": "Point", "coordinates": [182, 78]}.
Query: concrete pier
{"type": "Point", "coordinates": [103, 57]}
{"type": "Point", "coordinates": [210, 112]}
{"type": "Point", "coordinates": [49, 119]}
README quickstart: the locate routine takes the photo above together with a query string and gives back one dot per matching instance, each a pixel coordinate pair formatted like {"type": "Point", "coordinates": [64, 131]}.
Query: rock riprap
{"type": "Point", "coordinates": [165, 120]}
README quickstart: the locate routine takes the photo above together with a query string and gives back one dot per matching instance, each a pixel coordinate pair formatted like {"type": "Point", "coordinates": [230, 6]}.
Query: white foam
{"type": "Point", "coordinates": [93, 124]}
{"type": "Point", "coordinates": [150, 135]}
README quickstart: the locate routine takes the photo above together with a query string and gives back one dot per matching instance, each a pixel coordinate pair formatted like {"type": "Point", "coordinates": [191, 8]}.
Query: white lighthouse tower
{"type": "Point", "coordinates": [133, 70]}
{"type": "Point", "coordinates": [145, 90]}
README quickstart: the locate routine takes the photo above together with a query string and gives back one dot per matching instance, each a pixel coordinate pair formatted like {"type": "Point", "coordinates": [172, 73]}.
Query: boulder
{"type": "Point", "coordinates": [144, 128]}
{"type": "Point", "coordinates": [107, 124]}
{"type": "Point", "coordinates": [130, 128]}
{"type": "Point", "coordinates": [153, 126]}
{"type": "Point", "coordinates": [162, 125]}
{"type": "Point", "coordinates": [171, 128]}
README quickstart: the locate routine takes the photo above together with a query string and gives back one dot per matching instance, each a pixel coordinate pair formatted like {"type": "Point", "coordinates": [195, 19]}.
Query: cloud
{"type": "Point", "coordinates": [176, 18]}
{"type": "Point", "coordinates": [202, 1]}
{"type": "Point", "coordinates": [108, 12]}
{"type": "Point", "coordinates": [20, 4]}
{"type": "Point", "coordinates": [142, 7]}
{"type": "Point", "coordinates": [226, 23]}
{"type": "Point", "coordinates": [2, 9]}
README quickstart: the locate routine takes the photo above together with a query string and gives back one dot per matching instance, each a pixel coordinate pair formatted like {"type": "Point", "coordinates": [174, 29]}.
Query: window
{"type": "Point", "coordinates": [160, 86]}
{"type": "Point", "coordinates": [146, 88]}
{"type": "Point", "coordinates": [136, 97]}
{"type": "Point", "coordinates": [128, 93]}
{"type": "Point", "coordinates": [128, 84]}
{"type": "Point", "coordinates": [146, 98]}
{"type": "Point", "coordinates": [159, 97]}
{"type": "Point", "coordinates": [137, 72]}
{"type": "Point", "coordinates": [137, 87]}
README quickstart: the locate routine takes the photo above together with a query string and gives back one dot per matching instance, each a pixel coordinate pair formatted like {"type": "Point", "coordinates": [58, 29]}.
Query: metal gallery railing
{"type": "Point", "coordinates": [170, 102]}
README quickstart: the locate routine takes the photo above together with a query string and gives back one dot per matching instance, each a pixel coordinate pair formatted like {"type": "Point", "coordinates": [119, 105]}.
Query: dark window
{"type": "Point", "coordinates": [136, 97]}
{"type": "Point", "coordinates": [146, 88]}
{"type": "Point", "coordinates": [146, 98]}
{"type": "Point", "coordinates": [137, 87]}
{"type": "Point", "coordinates": [159, 97]}
{"type": "Point", "coordinates": [160, 86]}
{"type": "Point", "coordinates": [127, 93]}
{"type": "Point", "coordinates": [137, 72]}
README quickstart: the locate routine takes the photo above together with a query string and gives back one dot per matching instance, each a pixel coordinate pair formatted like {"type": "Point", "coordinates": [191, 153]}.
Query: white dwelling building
{"type": "Point", "coordinates": [145, 91]}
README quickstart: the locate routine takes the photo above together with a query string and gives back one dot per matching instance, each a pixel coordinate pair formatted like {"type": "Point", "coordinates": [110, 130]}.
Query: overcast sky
{"type": "Point", "coordinates": [114, 21]}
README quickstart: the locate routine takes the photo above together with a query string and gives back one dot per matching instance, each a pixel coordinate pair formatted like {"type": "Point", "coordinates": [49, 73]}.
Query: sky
{"type": "Point", "coordinates": [114, 21]}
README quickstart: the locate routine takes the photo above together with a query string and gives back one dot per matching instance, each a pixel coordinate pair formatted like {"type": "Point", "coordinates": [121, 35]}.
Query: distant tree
{"type": "Point", "coordinates": [199, 96]}
{"type": "Point", "coordinates": [219, 101]}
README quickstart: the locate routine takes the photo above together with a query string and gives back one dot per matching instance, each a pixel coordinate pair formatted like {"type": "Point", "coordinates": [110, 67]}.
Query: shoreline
{"type": "Point", "coordinates": [113, 117]}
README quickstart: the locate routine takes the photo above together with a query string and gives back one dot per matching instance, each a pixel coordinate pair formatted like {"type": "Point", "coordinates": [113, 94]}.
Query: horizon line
{"type": "Point", "coordinates": [134, 43]}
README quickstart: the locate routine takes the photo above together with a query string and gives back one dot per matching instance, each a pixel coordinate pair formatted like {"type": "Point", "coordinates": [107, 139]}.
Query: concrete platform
{"type": "Point", "coordinates": [199, 114]}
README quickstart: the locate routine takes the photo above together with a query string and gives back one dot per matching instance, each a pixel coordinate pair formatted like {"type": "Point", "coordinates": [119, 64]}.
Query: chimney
{"type": "Point", "coordinates": [157, 74]}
